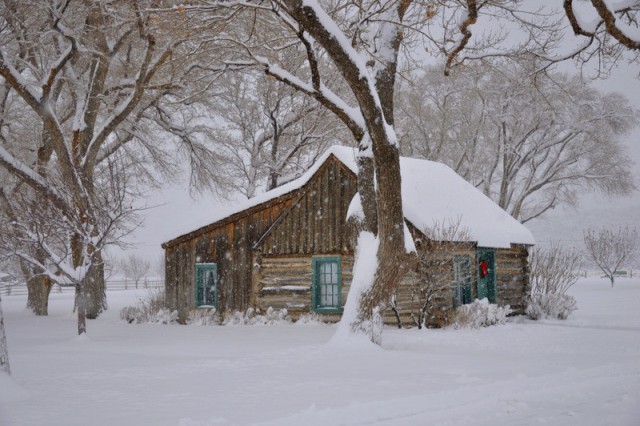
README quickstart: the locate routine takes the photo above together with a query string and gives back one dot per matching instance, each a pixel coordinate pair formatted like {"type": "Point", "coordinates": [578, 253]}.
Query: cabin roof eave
{"type": "Point", "coordinates": [293, 193]}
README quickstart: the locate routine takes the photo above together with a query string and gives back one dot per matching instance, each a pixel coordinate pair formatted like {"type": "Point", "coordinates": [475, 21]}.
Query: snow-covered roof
{"type": "Point", "coordinates": [432, 193]}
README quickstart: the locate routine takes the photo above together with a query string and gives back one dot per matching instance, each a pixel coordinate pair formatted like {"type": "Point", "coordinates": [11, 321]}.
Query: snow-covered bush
{"type": "Point", "coordinates": [203, 316]}
{"type": "Point", "coordinates": [253, 317]}
{"type": "Point", "coordinates": [151, 309]}
{"type": "Point", "coordinates": [310, 319]}
{"type": "Point", "coordinates": [480, 313]}
{"type": "Point", "coordinates": [553, 272]}
{"type": "Point", "coordinates": [550, 306]}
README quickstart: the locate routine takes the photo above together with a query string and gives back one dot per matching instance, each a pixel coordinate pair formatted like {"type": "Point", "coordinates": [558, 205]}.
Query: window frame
{"type": "Point", "coordinates": [315, 285]}
{"type": "Point", "coordinates": [200, 269]}
{"type": "Point", "coordinates": [462, 289]}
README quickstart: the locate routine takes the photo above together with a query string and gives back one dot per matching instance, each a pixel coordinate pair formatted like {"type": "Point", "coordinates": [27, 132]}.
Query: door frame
{"type": "Point", "coordinates": [486, 285]}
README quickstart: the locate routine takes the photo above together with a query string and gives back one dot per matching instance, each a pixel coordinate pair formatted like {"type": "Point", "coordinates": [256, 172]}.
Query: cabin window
{"type": "Point", "coordinates": [461, 280]}
{"type": "Point", "coordinates": [326, 292]}
{"type": "Point", "coordinates": [206, 284]}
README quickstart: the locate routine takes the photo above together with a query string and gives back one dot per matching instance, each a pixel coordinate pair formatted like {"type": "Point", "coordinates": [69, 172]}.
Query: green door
{"type": "Point", "coordinates": [487, 274]}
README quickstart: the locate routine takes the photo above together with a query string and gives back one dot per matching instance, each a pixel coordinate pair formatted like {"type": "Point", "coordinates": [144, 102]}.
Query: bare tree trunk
{"type": "Point", "coordinates": [377, 111]}
{"type": "Point", "coordinates": [391, 251]}
{"type": "Point", "coordinates": [95, 289]}
{"type": "Point", "coordinates": [38, 287]}
{"type": "Point", "coordinates": [273, 180]}
{"type": "Point", "coordinates": [81, 309]}
{"type": "Point", "coordinates": [366, 189]}
{"type": "Point", "coordinates": [4, 351]}
{"type": "Point", "coordinates": [38, 290]}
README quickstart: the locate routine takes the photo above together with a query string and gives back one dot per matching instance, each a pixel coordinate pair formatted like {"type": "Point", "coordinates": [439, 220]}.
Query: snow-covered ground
{"type": "Point", "coordinates": [583, 371]}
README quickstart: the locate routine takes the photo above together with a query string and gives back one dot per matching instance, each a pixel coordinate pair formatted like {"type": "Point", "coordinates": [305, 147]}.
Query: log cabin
{"type": "Point", "coordinates": [293, 247]}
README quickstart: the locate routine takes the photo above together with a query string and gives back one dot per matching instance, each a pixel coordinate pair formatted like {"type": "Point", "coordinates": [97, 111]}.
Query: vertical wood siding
{"type": "Point", "coordinates": [316, 222]}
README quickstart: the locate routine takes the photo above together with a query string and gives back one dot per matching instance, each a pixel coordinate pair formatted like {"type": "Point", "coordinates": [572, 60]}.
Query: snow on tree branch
{"type": "Point", "coordinates": [619, 20]}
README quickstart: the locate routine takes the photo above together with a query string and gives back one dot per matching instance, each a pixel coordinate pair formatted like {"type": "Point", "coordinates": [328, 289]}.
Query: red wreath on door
{"type": "Point", "coordinates": [484, 268]}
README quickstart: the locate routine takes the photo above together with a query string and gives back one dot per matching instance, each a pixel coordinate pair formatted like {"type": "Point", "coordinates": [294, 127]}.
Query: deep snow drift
{"type": "Point", "coordinates": [583, 371]}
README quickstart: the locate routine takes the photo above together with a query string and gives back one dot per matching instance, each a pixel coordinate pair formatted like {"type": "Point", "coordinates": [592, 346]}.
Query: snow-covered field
{"type": "Point", "coordinates": [583, 371]}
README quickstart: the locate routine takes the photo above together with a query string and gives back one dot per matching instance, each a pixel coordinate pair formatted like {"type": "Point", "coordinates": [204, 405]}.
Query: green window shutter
{"type": "Point", "coordinates": [199, 285]}
{"type": "Point", "coordinates": [206, 287]}
{"type": "Point", "coordinates": [326, 294]}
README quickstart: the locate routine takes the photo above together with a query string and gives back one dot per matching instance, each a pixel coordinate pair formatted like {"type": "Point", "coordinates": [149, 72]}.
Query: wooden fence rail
{"type": "Point", "coordinates": [21, 289]}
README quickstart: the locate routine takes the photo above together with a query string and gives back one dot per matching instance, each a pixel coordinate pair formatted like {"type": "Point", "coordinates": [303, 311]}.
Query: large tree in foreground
{"type": "Point", "coordinates": [58, 62]}
{"type": "Point", "coordinates": [100, 82]}
{"type": "Point", "coordinates": [308, 27]}
{"type": "Point", "coordinates": [363, 42]}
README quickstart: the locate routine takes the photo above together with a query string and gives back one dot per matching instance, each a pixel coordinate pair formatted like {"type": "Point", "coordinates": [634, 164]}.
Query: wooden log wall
{"type": "Point", "coordinates": [512, 285]}
{"type": "Point", "coordinates": [285, 282]}
{"type": "Point", "coordinates": [408, 299]}
{"type": "Point", "coordinates": [512, 278]}
{"type": "Point", "coordinates": [230, 246]}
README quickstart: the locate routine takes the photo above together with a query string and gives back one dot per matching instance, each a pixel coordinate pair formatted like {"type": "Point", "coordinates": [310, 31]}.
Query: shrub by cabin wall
{"type": "Point", "coordinates": [408, 300]}
{"type": "Point", "coordinates": [512, 285]}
